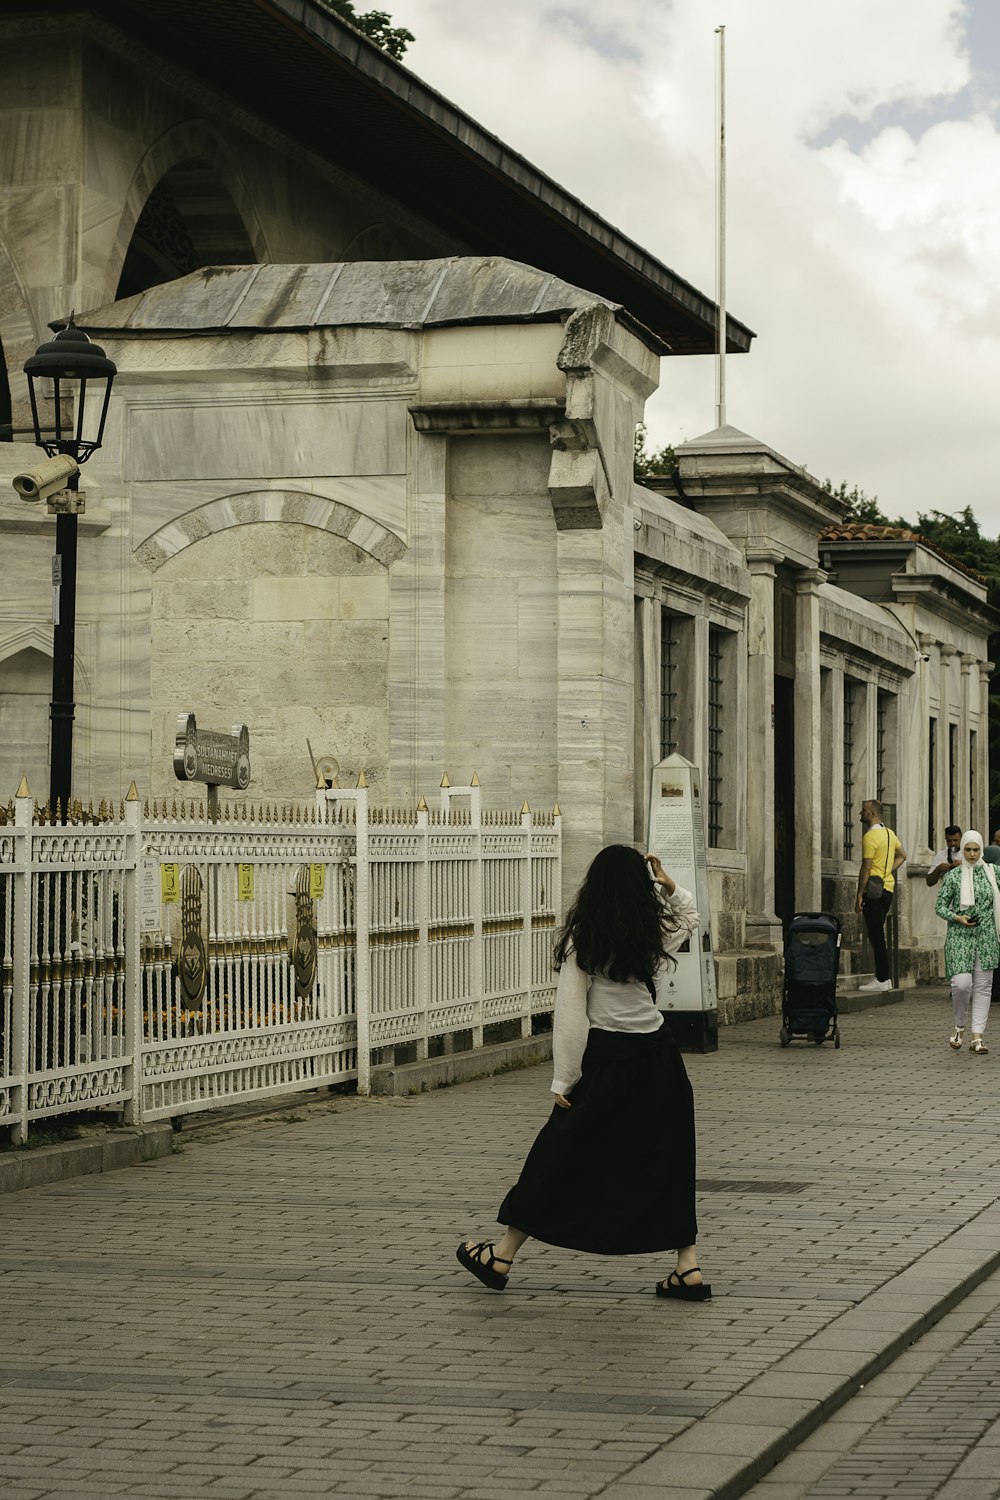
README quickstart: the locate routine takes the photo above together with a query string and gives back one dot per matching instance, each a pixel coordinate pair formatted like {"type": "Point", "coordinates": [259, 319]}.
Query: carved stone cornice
{"type": "Point", "coordinates": [763, 561]}
{"type": "Point", "coordinates": [532, 414]}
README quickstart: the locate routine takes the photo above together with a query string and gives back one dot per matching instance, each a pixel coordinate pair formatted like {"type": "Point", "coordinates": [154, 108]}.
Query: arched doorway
{"type": "Point", "coordinates": [189, 220]}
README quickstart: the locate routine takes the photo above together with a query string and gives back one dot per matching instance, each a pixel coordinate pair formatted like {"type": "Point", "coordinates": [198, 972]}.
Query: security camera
{"type": "Point", "coordinates": [48, 480]}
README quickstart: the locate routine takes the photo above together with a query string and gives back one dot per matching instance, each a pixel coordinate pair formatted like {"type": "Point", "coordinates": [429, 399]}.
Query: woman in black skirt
{"type": "Point", "coordinates": [612, 1171]}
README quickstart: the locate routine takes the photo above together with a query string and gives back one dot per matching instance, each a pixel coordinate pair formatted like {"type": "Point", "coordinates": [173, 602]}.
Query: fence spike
{"type": "Point", "coordinates": [525, 808]}
{"type": "Point", "coordinates": [444, 780]}
{"type": "Point", "coordinates": [23, 790]}
{"type": "Point", "coordinates": [422, 804]}
{"type": "Point", "coordinates": [132, 795]}
{"type": "Point", "coordinates": [362, 779]}
{"type": "Point", "coordinates": [145, 806]}
{"type": "Point", "coordinates": [555, 811]}
{"type": "Point", "coordinates": [475, 779]}
{"type": "Point", "coordinates": [173, 810]}
{"type": "Point", "coordinates": [121, 812]}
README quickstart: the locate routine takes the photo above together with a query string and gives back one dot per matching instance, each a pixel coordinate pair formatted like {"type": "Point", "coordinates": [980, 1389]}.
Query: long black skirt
{"type": "Point", "coordinates": [615, 1174]}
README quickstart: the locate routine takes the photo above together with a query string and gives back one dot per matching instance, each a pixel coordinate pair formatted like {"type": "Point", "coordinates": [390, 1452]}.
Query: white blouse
{"type": "Point", "coordinates": [585, 1000]}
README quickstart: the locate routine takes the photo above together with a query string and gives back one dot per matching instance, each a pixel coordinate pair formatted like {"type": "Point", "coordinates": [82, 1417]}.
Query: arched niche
{"type": "Point", "coordinates": [18, 337]}
{"type": "Point", "coordinates": [188, 220]}
{"type": "Point", "coordinates": [283, 626]}
{"type": "Point", "coordinates": [25, 690]}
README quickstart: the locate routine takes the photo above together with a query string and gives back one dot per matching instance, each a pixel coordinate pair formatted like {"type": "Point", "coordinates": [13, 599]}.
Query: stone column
{"type": "Point", "coordinates": [594, 687]}
{"type": "Point", "coordinates": [417, 637]}
{"type": "Point", "coordinates": [647, 749]}
{"type": "Point", "coordinates": [762, 925]}
{"type": "Point", "coordinates": [808, 743]}
{"type": "Point", "coordinates": [946, 652]}
{"type": "Point", "coordinates": [836, 753]}
{"type": "Point", "coordinates": [929, 819]}
{"type": "Point", "coordinates": [697, 706]}
{"type": "Point", "coordinates": [967, 717]}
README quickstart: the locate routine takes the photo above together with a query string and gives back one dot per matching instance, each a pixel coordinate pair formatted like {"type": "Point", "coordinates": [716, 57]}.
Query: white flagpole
{"type": "Point", "coordinates": [720, 235]}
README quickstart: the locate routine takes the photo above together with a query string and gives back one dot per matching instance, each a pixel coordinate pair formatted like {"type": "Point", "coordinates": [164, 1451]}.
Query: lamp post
{"type": "Point", "coordinates": [72, 364]}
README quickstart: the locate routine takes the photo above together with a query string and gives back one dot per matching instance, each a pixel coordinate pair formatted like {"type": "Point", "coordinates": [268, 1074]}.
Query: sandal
{"type": "Point", "coordinates": [955, 1040]}
{"type": "Point", "coordinates": [676, 1286]}
{"type": "Point", "coordinates": [483, 1270]}
{"type": "Point", "coordinates": [978, 1045]}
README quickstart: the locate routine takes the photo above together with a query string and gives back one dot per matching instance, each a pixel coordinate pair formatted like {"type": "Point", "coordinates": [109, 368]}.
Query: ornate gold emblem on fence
{"type": "Point", "coordinates": [304, 944]}
{"type": "Point", "coordinates": [193, 963]}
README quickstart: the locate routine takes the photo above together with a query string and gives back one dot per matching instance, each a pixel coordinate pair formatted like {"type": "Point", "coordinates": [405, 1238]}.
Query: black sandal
{"type": "Point", "coordinates": [483, 1270]}
{"type": "Point", "coordinates": [675, 1285]}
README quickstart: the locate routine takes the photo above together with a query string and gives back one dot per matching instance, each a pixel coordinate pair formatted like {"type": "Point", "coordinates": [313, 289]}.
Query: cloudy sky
{"type": "Point", "coordinates": [864, 205]}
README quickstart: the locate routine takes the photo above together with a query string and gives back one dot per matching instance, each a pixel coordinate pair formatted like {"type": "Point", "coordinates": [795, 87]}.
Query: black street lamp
{"type": "Point", "coordinates": [69, 424]}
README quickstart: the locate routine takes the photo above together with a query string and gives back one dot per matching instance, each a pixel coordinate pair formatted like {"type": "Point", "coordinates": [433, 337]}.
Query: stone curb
{"type": "Point", "coordinates": [105, 1153]}
{"type": "Point", "coordinates": [849, 1002]}
{"type": "Point", "coordinates": [142, 1143]}
{"type": "Point", "coordinates": [733, 1446]}
{"type": "Point", "coordinates": [460, 1067]}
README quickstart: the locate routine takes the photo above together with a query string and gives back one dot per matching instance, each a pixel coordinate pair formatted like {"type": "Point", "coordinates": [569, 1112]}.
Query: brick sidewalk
{"type": "Point", "coordinates": [277, 1311]}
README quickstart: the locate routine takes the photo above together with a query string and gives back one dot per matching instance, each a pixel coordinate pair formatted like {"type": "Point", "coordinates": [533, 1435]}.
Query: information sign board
{"type": "Point", "coordinates": [150, 909]}
{"type": "Point", "coordinates": [675, 831]}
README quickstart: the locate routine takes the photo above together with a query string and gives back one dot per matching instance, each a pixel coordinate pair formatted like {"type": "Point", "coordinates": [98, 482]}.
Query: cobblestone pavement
{"type": "Point", "coordinates": [277, 1311]}
{"type": "Point", "coordinates": [930, 1426]}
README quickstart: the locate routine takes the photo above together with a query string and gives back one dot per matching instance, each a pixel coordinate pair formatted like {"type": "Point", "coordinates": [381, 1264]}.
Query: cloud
{"type": "Point", "coordinates": [863, 225]}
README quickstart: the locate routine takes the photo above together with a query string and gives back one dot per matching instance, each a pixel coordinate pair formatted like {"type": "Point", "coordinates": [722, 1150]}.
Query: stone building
{"type": "Point", "coordinates": [367, 480]}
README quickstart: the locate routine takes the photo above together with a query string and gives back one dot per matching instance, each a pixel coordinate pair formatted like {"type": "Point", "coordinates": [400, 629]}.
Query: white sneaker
{"type": "Point", "coordinates": [876, 984]}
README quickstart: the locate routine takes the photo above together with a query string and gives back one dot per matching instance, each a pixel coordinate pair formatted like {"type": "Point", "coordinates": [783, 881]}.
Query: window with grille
{"type": "Point", "coordinates": [952, 773]}
{"type": "Point", "coordinates": [973, 800]}
{"type": "Point", "coordinates": [881, 713]}
{"type": "Point", "coordinates": [669, 631]}
{"type": "Point", "coordinates": [850, 698]}
{"type": "Point", "coordinates": [932, 748]}
{"type": "Point", "coordinates": [715, 736]}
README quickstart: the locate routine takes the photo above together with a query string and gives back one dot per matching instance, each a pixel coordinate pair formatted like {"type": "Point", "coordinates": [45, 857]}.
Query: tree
{"type": "Point", "coordinates": [377, 26]}
{"type": "Point", "coordinates": [662, 461]}
{"type": "Point", "coordinates": [864, 508]}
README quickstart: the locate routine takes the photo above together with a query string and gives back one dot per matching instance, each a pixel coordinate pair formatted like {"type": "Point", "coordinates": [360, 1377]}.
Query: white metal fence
{"type": "Point", "coordinates": [159, 962]}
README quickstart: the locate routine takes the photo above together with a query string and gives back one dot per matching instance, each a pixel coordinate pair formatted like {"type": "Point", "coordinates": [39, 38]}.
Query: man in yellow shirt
{"type": "Point", "coordinates": [881, 855]}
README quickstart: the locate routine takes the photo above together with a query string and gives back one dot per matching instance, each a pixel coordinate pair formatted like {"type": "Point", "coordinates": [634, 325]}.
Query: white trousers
{"type": "Point", "coordinates": [979, 984]}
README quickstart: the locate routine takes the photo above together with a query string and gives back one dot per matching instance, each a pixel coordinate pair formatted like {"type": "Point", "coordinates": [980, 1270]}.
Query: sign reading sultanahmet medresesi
{"type": "Point", "coordinates": [206, 755]}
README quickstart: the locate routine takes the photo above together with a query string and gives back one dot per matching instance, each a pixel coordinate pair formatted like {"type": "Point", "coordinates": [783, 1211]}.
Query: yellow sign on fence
{"type": "Point", "coordinates": [317, 882]}
{"type": "Point", "coordinates": [170, 884]}
{"type": "Point", "coordinates": [244, 882]}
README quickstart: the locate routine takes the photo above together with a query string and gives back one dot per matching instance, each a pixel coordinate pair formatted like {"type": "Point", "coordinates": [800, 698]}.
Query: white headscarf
{"type": "Point", "coordinates": [967, 896]}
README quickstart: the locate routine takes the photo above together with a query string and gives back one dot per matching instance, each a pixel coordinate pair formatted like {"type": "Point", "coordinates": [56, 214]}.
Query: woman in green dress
{"type": "Point", "coordinates": [969, 901]}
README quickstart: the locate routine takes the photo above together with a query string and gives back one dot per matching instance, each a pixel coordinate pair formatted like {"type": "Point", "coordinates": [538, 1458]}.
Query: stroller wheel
{"type": "Point", "coordinates": [783, 1036]}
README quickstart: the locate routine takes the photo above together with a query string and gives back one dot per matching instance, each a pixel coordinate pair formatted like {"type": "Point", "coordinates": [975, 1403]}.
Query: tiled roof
{"type": "Point", "coordinates": [869, 531]}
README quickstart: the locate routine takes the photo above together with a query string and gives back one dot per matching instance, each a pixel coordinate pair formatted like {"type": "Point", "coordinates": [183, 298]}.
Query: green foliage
{"type": "Point", "coordinates": [864, 508]}
{"type": "Point", "coordinates": [377, 26]}
{"type": "Point", "coordinates": [662, 461]}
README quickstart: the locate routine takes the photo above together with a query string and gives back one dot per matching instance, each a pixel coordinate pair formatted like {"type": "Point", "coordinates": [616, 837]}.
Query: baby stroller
{"type": "Point", "coordinates": [812, 959]}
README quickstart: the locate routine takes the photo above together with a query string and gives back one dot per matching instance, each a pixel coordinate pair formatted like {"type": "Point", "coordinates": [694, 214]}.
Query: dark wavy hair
{"type": "Point", "coordinates": [617, 924]}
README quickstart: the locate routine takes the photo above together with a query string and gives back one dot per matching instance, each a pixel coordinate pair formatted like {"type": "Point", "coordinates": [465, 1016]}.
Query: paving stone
{"type": "Point", "coordinates": [284, 1299]}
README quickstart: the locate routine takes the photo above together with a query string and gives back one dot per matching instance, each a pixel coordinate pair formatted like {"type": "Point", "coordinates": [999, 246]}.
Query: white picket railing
{"type": "Point", "coordinates": [160, 962]}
